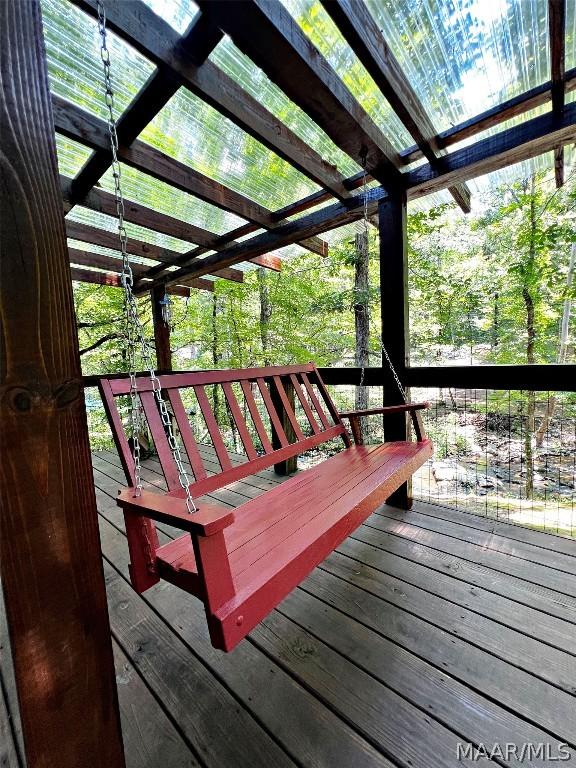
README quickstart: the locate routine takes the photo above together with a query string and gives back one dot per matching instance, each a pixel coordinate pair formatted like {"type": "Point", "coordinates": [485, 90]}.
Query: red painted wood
{"type": "Point", "coordinates": [213, 570]}
{"type": "Point", "coordinates": [242, 563]}
{"type": "Point", "coordinates": [160, 440]}
{"type": "Point", "coordinates": [203, 378]}
{"type": "Point", "coordinates": [186, 434]}
{"type": "Point", "coordinates": [213, 428]}
{"type": "Point", "coordinates": [171, 509]}
{"type": "Point", "coordinates": [288, 408]}
{"type": "Point", "coordinates": [239, 421]}
{"type": "Point", "coordinates": [315, 402]}
{"type": "Point", "coordinates": [118, 434]}
{"type": "Point", "coordinates": [332, 410]}
{"type": "Point", "coordinates": [384, 409]}
{"type": "Point", "coordinates": [142, 546]}
{"type": "Point", "coordinates": [276, 423]}
{"type": "Point", "coordinates": [304, 402]}
{"type": "Point", "coordinates": [256, 418]}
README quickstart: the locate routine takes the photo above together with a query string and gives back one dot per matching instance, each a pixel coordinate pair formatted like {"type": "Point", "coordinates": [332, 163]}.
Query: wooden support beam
{"type": "Point", "coordinates": [104, 202]}
{"type": "Point", "coordinates": [331, 217]}
{"type": "Point", "coordinates": [132, 20]}
{"type": "Point", "coordinates": [539, 135]}
{"type": "Point", "coordinates": [273, 40]}
{"type": "Point", "coordinates": [113, 278]}
{"type": "Point", "coordinates": [518, 105]}
{"type": "Point", "coordinates": [198, 42]}
{"type": "Point", "coordinates": [50, 559]}
{"type": "Point", "coordinates": [102, 237]}
{"type": "Point", "coordinates": [360, 30]}
{"type": "Point", "coordinates": [161, 330]}
{"type": "Point", "coordinates": [101, 261]}
{"type": "Point", "coordinates": [557, 38]}
{"type": "Point", "coordinates": [529, 139]}
{"type": "Point", "coordinates": [79, 125]}
{"type": "Point", "coordinates": [542, 378]}
{"type": "Point", "coordinates": [392, 222]}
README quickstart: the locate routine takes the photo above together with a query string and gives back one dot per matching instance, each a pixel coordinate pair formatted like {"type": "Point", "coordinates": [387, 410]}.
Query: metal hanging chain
{"type": "Point", "coordinates": [366, 223]}
{"type": "Point", "coordinates": [134, 336]}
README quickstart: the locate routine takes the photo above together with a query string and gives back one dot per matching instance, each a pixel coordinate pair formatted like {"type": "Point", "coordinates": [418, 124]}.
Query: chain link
{"type": "Point", "coordinates": [366, 232]}
{"type": "Point", "coordinates": [134, 335]}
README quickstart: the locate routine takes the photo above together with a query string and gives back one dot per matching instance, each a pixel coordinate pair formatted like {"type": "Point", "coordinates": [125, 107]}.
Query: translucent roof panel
{"type": "Point", "coordinates": [141, 188]}
{"type": "Point", "coordinates": [570, 34]}
{"type": "Point", "coordinates": [71, 155]}
{"type": "Point", "coordinates": [319, 27]}
{"type": "Point", "coordinates": [103, 221]}
{"type": "Point", "coordinates": [178, 13]}
{"type": "Point", "coordinates": [243, 70]}
{"type": "Point", "coordinates": [74, 63]}
{"type": "Point", "coordinates": [465, 56]}
{"type": "Point", "coordinates": [193, 132]}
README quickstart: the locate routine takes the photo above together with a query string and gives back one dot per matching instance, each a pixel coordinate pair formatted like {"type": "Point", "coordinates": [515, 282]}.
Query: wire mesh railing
{"type": "Point", "coordinates": [505, 454]}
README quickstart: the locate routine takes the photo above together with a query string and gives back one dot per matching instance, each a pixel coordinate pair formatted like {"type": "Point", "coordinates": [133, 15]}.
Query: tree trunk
{"type": "Point", "coordinates": [562, 346]}
{"type": "Point", "coordinates": [530, 350]}
{"type": "Point", "coordinates": [496, 322]}
{"type": "Point", "coordinates": [361, 312]}
{"type": "Point", "coordinates": [265, 313]}
{"type": "Point", "coordinates": [216, 358]}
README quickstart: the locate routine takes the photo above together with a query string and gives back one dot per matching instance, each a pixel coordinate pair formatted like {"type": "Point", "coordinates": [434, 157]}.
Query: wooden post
{"type": "Point", "coordinates": [161, 330]}
{"type": "Point", "coordinates": [290, 465]}
{"type": "Point", "coordinates": [394, 316]}
{"type": "Point", "coordinates": [51, 564]}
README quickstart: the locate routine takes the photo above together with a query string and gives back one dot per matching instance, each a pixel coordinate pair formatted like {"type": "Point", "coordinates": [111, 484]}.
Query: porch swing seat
{"type": "Point", "coordinates": [243, 562]}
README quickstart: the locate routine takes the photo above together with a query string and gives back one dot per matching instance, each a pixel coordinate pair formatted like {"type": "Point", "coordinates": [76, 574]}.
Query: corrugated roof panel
{"type": "Point", "coordinates": [74, 65]}
{"type": "Point", "coordinates": [193, 132]}
{"type": "Point", "coordinates": [243, 71]}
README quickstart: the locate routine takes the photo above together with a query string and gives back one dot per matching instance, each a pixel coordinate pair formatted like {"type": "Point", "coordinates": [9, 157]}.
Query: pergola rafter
{"type": "Point", "coordinates": [275, 42]}
{"type": "Point", "coordinates": [361, 32]}
{"type": "Point", "coordinates": [532, 138]}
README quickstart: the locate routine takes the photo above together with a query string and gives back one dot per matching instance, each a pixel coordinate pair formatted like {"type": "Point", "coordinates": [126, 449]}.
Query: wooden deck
{"type": "Point", "coordinates": [425, 629]}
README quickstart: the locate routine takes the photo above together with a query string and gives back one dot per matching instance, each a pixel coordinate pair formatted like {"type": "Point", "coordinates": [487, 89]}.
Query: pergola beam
{"type": "Point", "coordinates": [360, 30]}
{"type": "Point", "coordinates": [113, 264]}
{"type": "Point", "coordinates": [85, 233]}
{"type": "Point", "coordinates": [557, 38]}
{"type": "Point", "coordinates": [532, 138]}
{"type": "Point", "coordinates": [198, 42]}
{"type": "Point", "coordinates": [132, 20]}
{"type": "Point", "coordinates": [490, 118]}
{"type": "Point", "coordinates": [104, 202]}
{"type": "Point", "coordinates": [273, 40]}
{"type": "Point", "coordinates": [79, 125]}
{"type": "Point", "coordinates": [113, 278]}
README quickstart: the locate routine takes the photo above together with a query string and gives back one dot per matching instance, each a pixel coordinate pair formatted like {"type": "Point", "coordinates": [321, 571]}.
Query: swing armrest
{"type": "Point", "coordinates": [209, 519]}
{"type": "Point", "coordinates": [413, 408]}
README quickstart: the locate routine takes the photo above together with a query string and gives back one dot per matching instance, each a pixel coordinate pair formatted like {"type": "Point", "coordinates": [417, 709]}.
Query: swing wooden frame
{"type": "Point", "coordinates": [241, 563]}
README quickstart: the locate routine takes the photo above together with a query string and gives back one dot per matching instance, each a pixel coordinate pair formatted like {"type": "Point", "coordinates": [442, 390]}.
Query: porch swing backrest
{"type": "Point", "coordinates": [320, 417]}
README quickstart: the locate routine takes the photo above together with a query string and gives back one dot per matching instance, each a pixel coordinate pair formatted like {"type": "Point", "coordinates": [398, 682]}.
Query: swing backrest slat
{"type": "Point", "coordinates": [271, 425]}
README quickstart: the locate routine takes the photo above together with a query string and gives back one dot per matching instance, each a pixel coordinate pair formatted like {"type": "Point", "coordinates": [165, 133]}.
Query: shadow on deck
{"type": "Point", "coordinates": [425, 630]}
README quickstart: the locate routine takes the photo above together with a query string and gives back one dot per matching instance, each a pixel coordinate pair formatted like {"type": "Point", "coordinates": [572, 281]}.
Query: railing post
{"type": "Point", "coordinates": [394, 316]}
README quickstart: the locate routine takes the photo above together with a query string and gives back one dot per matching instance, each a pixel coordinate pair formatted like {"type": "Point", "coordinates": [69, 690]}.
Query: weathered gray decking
{"type": "Point", "coordinates": [425, 629]}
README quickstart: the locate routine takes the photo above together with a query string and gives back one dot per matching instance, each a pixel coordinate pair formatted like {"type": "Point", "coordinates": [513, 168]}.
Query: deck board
{"type": "Point", "coordinates": [425, 629]}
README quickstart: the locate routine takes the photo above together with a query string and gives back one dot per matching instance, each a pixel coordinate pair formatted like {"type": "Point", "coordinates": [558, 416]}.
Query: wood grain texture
{"type": "Point", "coordinates": [49, 544]}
